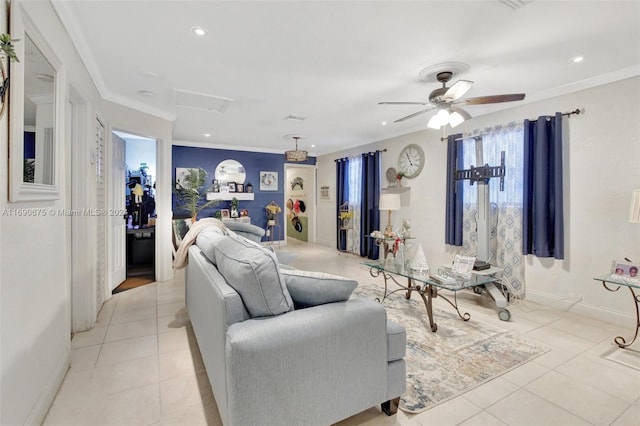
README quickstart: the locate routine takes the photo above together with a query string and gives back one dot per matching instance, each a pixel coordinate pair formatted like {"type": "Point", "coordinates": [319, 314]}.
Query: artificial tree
{"type": "Point", "coordinates": [191, 193]}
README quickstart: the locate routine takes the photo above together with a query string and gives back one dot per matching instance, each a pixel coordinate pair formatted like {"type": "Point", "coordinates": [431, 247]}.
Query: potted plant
{"type": "Point", "coordinates": [272, 213]}
{"type": "Point", "coordinates": [7, 50]}
{"type": "Point", "coordinates": [191, 193]}
{"type": "Point", "coordinates": [234, 208]}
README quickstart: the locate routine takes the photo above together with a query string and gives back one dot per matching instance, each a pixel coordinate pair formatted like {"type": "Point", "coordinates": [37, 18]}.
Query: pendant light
{"type": "Point", "coordinates": [297, 155]}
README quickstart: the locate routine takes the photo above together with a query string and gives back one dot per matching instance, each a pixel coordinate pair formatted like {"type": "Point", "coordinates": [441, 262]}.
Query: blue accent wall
{"type": "Point", "coordinates": [253, 162]}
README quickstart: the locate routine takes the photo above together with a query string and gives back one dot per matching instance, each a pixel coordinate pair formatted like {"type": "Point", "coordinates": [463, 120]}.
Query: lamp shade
{"type": "Point", "coordinates": [389, 202]}
{"type": "Point", "coordinates": [452, 116]}
{"type": "Point", "coordinates": [634, 211]}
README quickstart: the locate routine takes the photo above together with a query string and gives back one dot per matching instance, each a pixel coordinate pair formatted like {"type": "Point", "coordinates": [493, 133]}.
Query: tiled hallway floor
{"type": "Point", "coordinates": [140, 365]}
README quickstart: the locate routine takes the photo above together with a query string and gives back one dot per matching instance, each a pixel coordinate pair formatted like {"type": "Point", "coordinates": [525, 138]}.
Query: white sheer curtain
{"type": "Point", "coordinates": [355, 200]}
{"type": "Point", "coordinates": [506, 206]}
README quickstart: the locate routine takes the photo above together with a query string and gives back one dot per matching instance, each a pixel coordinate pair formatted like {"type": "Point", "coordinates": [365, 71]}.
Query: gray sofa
{"type": "Point", "coordinates": [247, 230]}
{"type": "Point", "coordinates": [271, 364]}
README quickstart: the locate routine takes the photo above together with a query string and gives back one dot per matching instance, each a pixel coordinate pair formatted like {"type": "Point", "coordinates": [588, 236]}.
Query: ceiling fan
{"type": "Point", "coordinates": [446, 100]}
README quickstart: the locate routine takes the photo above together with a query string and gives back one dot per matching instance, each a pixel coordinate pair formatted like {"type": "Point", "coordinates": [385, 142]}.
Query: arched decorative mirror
{"type": "Point", "coordinates": [36, 111]}
{"type": "Point", "coordinates": [230, 171]}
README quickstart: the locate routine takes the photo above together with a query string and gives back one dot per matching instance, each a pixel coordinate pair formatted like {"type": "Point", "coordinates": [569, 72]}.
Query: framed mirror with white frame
{"type": "Point", "coordinates": [36, 113]}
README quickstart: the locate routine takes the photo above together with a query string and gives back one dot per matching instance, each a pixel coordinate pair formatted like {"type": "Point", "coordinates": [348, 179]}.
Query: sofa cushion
{"type": "Point", "coordinates": [206, 241]}
{"type": "Point", "coordinates": [309, 288]}
{"type": "Point", "coordinates": [247, 230]}
{"type": "Point", "coordinates": [251, 270]}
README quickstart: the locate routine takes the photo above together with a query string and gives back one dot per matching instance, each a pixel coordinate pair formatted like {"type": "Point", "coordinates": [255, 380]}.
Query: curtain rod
{"type": "Point", "coordinates": [576, 111]}
{"type": "Point", "coordinates": [345, 158]}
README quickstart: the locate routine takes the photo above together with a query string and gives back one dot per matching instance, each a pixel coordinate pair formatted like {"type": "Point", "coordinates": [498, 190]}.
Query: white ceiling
{"type": "Point", "coordinates": [333, 61]}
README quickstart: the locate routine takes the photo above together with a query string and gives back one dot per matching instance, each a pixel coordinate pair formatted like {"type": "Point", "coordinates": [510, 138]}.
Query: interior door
{"type": "Point", "coordinates": [115, 213]}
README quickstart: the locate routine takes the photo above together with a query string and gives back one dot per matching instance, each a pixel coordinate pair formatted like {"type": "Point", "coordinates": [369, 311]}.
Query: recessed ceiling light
{"type": "Point", "coordinates": [146, 93]}
{"type": "Point", "coordinates": [206, 135]}
{"type": "Point", "coordinates": [199, 31]}
{"type": "Point", "coordinates": [577, 59]}
{"type": "Point", "coordinates": [313, 145]}
{"type": "Point", "coordinates": [384, 123]}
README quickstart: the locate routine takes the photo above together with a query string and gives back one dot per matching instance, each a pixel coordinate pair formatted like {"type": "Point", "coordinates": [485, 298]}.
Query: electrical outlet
{"type": "Point", "coordinates": [268, 234]}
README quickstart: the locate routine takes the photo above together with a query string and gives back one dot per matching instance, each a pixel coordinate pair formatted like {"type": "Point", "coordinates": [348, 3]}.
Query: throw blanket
{"type": "Point", "coordinates": [181, 258]}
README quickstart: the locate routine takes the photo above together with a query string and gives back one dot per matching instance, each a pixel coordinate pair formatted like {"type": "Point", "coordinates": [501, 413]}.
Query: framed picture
{"type": "Point", "coordinates": [625, 270]}
{"type": "Point", "coordinates": [324, 193]}
{"type": "Point", "coordinates": [239, 187]}
{"type": "Point", "coordinates": [463, 265]}
{"type": "Point", "coordinates": [232, 187]}
{"type": "Point", "coordinates": [244, 213]}
{"type": "Point", "coordinates": [249, 188]}
{"type": "Point", "coordinates": [268, 181]}
{"type": "Point", "coordinates": [181, 173]}
{"type": "Point", "coordinates": [225, 214]}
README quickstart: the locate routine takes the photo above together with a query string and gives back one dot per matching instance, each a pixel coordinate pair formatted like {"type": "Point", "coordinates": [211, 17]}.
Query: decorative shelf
{"type": "Point", "coordinates": [395, 189]}
{"type": "Point", "coordinates": [228, 196]}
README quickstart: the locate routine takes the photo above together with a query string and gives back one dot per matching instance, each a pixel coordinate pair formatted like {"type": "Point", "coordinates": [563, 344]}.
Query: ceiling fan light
{"type": "Point", "coordinates": [434, 123]}
{"type": "Point", "coordinates": [443, 116]}
{"type": "Point", "coordinates": [438, 120]}
{"type": "Point", "coordinates": [455, 119]}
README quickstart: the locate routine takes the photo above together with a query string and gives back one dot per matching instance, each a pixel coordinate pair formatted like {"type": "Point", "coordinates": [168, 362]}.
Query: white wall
{"type": "Point", "coordinates": [34, 274]}
{"type": "Point", "coordinates": [602, 157]}
{"type": "Point", "coordinates": [35, 252]}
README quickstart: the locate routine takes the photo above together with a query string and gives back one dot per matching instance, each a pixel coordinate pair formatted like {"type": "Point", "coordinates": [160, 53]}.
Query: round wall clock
{"type": "Point", "coordinates": [411, 160]}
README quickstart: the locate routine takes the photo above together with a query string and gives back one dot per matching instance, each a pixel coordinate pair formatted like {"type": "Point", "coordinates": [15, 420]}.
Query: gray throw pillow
{"type": "Point", "coordinates": [309, 288]}
{"type": "Point", "coordinates": [253, 272]}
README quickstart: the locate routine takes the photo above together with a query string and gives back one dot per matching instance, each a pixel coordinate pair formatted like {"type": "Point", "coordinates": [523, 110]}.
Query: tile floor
{"type": "Point", "coordinates": [140, 365]}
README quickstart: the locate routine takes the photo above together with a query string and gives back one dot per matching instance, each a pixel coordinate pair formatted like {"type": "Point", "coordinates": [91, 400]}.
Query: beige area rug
{"type": "Point", "coordinates": [460, 356]}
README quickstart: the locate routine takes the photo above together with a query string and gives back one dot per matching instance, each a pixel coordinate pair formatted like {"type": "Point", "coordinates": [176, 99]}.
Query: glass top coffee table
{"type": "Point", "coordinates": [427, 286]}
{"type": "Point", "coordinates": [613, 283]}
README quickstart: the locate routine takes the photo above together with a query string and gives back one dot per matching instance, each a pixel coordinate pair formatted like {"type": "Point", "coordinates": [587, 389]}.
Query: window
{"type": "Point", "coordinates": [487, 149]}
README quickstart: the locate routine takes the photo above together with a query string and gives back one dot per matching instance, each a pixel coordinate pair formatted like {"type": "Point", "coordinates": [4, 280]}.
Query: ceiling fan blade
{"type": "Point", "coordinates": [460, 111]}
{"type": "Point", "coordinates": [415, 114]}
{"type": "Point", "coordinates": [493, 99]}
{"type": "Point", "coordinates": [403, 103]}
{"type": "Point", "coordinates": [458, 90]}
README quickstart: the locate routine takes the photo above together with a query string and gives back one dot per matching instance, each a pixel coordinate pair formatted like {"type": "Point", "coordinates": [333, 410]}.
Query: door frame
{"type": "Point", "coordinates": [313, 215]}
{"type": "Point", "coordinates": [81, 242]}
{"type": "Point", "coordinates": [112, 204]}
{"type": "Point", "coordinates": [158, 261]}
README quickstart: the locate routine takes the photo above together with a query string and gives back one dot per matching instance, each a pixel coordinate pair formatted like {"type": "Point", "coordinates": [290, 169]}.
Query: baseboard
{"type": "Point", "coordinates": [49, 392]}
{"type": "Point", "coordinates": [575, 305]}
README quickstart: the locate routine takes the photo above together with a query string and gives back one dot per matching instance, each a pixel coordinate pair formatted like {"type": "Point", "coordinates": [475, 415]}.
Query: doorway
{"type": "Point", "coordinates": [300, 202]}
{"type": "Point", "coordinates": [136, 190]}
